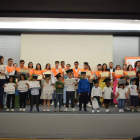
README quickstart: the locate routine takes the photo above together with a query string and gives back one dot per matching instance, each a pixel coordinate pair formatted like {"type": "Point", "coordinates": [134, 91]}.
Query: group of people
{"type": "Point", "coordinates": [85, 87]}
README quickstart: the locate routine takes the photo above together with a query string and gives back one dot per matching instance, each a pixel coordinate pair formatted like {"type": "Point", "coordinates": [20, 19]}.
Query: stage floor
{"type": "Point", "coordinates": [67, 125]}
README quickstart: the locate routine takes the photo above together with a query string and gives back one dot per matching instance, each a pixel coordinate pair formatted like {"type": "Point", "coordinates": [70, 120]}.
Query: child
{"type": "Point", "coordinates": [34, 94]}
{"type": "Point", "coordinates": [96, 93]}
{"type": "Point", "coordinates": [70, 91]}
{"type": "Point", "coordinates": [59, 85]}
{"type": "Point", "coordinates": [132, 90]}
{"type": "Point", "coordinates": [107, 91]}
{"type": "Point", "coordinates": [47, 96]}
{"type": "Point", "coordinates": [121, 94]}
{"type": "Point", "coordinates": [83, 90]}
{"type": "Point", "coordinates": [11, 94]}
{"type": "Point", "coordinates": [23, 92]}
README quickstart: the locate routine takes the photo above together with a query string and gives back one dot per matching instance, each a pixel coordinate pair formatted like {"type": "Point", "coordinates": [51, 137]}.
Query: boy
{"type": "Point", "coordinates": [70, 91]}
{"type": "Point", "coordinates": [96, 93]}
{"type": "Point", "coordinates": [107, 91]}
{"type": "Point", "coordinates": [83, 90]}
{"type": "Point", "coordinates": [59, 85]}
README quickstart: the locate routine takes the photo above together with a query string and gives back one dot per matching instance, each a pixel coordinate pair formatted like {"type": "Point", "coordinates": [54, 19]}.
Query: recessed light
{"type": "Point", "coordinates": [136, 20]}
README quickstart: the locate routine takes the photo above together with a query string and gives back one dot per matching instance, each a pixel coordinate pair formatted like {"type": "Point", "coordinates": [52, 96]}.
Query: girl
{"type": "Point", "coordinates": [116, 79]}
{"type": "Point", "coordinates": [23, 92]}
{"type": "Point", "coordinates": [15, 65]}
{"type": "Point", "coordinates": [31, 69]}
{"type": "Point", "coordinates": [124, 67]}
{"type": "Point", "coordinates": [137, 66]}
{"type": "Point", "coordinates": [121, 94]}
{"type": "Point", "coordinates": [47, 68]}
{"type": "Point", "coordinates": [11, 94]}
{"type": "Point", "coordinates": [46, 96]}
{"type": "Point", "coordinates": [3, 73]}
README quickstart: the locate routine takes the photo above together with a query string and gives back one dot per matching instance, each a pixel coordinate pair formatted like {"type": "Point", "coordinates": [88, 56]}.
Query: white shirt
{"type": "Point", "coordinates": [10, 92]}
{"type": "Point", "coordinates": [54, 79]}
{"type": "Point", "coordinates": [96, 92]}
{"type": "Point", "coordinates": [111, 70]}
{"type": "Point", "coordinates": [107, 92]}
{"type": "Point", "coordinates": [3, 68]}
{"type": "Point", "coordinates": [24, 82]}
{"type": "Point", "coordinates": [71, 87]}
{"type": "Point", "coordinates": [133, 90]}
{"type": "Point", "coordinates": [35, 91]}
{"type": "Point", "coordinates": [121, 92]}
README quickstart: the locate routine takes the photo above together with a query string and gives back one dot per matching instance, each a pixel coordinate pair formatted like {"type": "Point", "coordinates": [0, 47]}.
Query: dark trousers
{"type": "Point", "coordinates": [22, 99]}
{"type": "Point", "coordinates": [58, 99]}
{"type": "Point", "coordinates": [134, 100]}
{"type": "Point", "coordinates": [70, 95]}
{"type": "Point", "coordinates": [83, 99]}
{"type": "Point", "coordinates": [98, 100]}
{"type": "Point", "coordinates": [9, 98]}
{"type": "Point", "coordinates": [2, 82]}
{"type": "Point", "coordinates": [34, 99]}
{"type": "Point", "coordinates": [89, 97]}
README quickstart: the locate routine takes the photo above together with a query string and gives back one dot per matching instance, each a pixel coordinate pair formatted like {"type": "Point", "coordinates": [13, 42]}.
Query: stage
{"type": "Point", "coordinates": [66, 125]}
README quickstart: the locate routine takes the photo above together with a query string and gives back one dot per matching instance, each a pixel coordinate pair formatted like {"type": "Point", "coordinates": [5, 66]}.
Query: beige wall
{"type": "Point", "coordinates": [47, 48]}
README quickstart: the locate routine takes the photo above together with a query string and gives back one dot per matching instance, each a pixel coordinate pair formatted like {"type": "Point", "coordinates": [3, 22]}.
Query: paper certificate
{"type": "Point", "coordinates": [104, 74]}
{"type": "Point", "coordinates": [118, 72]}
{"type": "Point", "coordinates": [1, 69]}
{"type": "Point", "coordinates": [9, 87]}
{"type": "Point", "coordinates": [95, 104]}
{"type": "Point", "coordinates": [22, 85]}
{"type": "Point", "coordinates": [23, 70]}
{"type": "Point", "coordinates": [48, 88]}
{"type": "Point", "coordinates": [69, 82]}
{"type": "Point", "coordinates": [34, 84]}
{"type": "Point", "coordinates": [92, 76]}
{"type": "Point", "coordinates": [88, 73]}
{"type": "Point", "coordinates": [131, 73]}
{"type": "Point", "coordinates": [47, 72]}
{"type": "Point", "coordinates": [39, 77]}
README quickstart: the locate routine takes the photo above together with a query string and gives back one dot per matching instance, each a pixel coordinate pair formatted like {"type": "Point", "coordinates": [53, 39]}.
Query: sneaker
{"type": "Point", "coordinates": [37, 109]}
{"type": "Point", "coordinates": [48, 110]}
{"type": "Point", "coordinates": [132, 110]}
{"type": "Point", "coordinates": [60, 110]}
{"type": "Point", "coordinates": [20, 109]}
{"type": "Point", "coordinates": [107, 110]}
{"type": "Point", "coordinates": [52, 104]}
{"type": "Point", "coordinates": [127, 108]}
{"type": "Point", "coordinates": [73, 110]}
{"type": "Point", "coordinates": [31, 110]}
{"type": "Point", "coordinates": [120, 110]}
{"type": "Point", "coordinates": [66, 109]}
{"type": "Point", "coordinates": [5, 107]}
{"type": "Point", "coordinates": [55, 110]}
{"type": "Point", "coordinates": [116, 106]}
{"type": "Point", "coordinates": [93, 111]}
{"type": "Point", "coordinates": [12, 110]}
{"type": "Point", "coordinates": [7, 110]}
{"type": "Point", "coordinates": [85, 110]}
{"type": "Point", "coordinates": [89, 105]}
{"type": "Point", "coordinates": [98, 110]}
{"type": "Point", "coordinates": [24, 109]}
{"type": "Point", "coordinates": [44, 110]}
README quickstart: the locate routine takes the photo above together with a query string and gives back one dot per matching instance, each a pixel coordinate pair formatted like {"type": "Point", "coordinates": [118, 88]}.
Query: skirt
{"type": "Point", "coordinates": [46, 96]}
{"type": "Point", "coordinates": [106, 101]}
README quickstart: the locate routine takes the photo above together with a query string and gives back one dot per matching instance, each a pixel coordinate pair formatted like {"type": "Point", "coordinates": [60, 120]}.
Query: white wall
{"type": "Point", "coordinates": [47, 48]}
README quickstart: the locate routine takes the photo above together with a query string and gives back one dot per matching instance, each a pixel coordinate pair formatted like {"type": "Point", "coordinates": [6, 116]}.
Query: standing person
{"type": "Point", "coordinates": [62, 65]}
{"type": "Point", "coordinates": [138, 85]}
{"type": "Point", "coordinates": [124, 67]}
{"type": "Point", "coordinates": [3, 74]}
{"type": "Point", "coordinates": [54, 71]}
{"type": "Point", "coordinates": [99, 68]}
{"type": "Point", "coordinates": [107, 91]}
{"type": "Point", "coordinates": [31, 68]}
{"type": "Point", "coordinates": [59, 86]}
{"type": "Point", "coordinates": [83, 90]}
{"type": "Point", "coordinates": [23, 92]}
{"type": "Point", "coordinates": [137, 66]}
{"type": "Point", "coordinates": [47, 68]}
{"type": "Point", "coordinates": [15, 65]}
{"type": "Point", "coordinates": [70, 91]}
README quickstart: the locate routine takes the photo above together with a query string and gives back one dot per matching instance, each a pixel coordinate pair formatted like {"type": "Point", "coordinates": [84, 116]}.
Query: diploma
{"type": "Point", "coordinates": [104, 74]}
{"type": "Point", "coordinates": [48, 88]}
{"type": "Point", "coordinates": [88, 73]}
{"type": "Point", "coordinates": [23, 70]}
{"type": "Point", "coordinates": [47, 72]}
{"type": "Point", "coordinates": [69, 82]}
{"type": "Point", "coordinates": [95, 104]}
{"type": "Point", "coordinates": [131, 73]}
{"type": "Point", "coordinates": [1, 69]}
{"type": "Point", "coordinates": [9, 88]}
{"type": "Point", "coordinates": [22, 86]}
{"type": "Point", "coordinates": [39, 77]}
{"type": "Point", "coordinates": [118, 72]}
{"type": "Point", "coordinates": [34, 84]}
{"type": "Point", "coordinates": [92, 76]}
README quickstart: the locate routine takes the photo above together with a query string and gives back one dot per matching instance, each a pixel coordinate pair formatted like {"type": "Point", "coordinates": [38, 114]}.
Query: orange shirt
{"type": "Point", "coordinates": [55, 72]}
{"type": "Point", "coordinates": [45, 70]}
{"type": "Point", "coordinates": [38, 72]}
{"type": "Point", "coordinates": [31, 71]}
{"type": "Point", "coordinates": [117, 76]}
{"type": "Point", "coordinates": [76, 73]}
{"type": "Point", "coordinates": [82, 70]}
{"type": "Point", "coordinates": [10, 69]}
{"type": "Point", "coordinates": [17, 69]}
{"type": "Point", "coordinates": [97, 73]}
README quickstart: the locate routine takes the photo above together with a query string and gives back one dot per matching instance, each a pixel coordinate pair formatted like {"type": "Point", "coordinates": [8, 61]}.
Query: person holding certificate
{"type": "Point", "coordinates": [47, 70]}
{"type": "Point", "coordinates": [10, 91]}
{"type": "Point", "coordinates": [99, 68]}
{"type": "Point", "coordinates": [85, 69]}
{"type": "Point", "coordinates": [70, 90]}
{"type": "Point", "coordinates": [23, 91]}
{"type": "Point", "coordinates": [130, 72]}
{"type": "Point", "coordinates": [31, 69]}
{"type": "Point", "coordinates": [137, 66]}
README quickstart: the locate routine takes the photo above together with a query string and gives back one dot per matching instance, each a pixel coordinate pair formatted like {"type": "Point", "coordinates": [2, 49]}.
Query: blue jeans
{"type": "Point", "coordinates": [58, 99]}
{"type": "Point", "coordinates": [53, 96]}
{"type": "Point", "coordinates": [2, 82]}
{"type": "Point", "coordinates": [121, 103]}
{"type": "Point", "coordinates": [64, 96]}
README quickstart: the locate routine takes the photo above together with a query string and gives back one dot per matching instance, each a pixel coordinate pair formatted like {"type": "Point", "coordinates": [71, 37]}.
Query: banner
{"type": "Point", "coordinates": [131, 61]}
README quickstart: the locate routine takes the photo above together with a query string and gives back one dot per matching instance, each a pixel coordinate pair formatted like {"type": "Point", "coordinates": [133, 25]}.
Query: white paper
{"type": "Point", "coordinates": [48, 88]}
{"type": "Point", "coordinates": [95, 104]}
{"type": "Point", "coordinates": [69, 82]}
{"type": "Point", "coordinates": [9, 87]}
{"type": "Point", "coordinates": [47, 72]}
{"type": "Point", "coordinates": [88, 73]}
{"type": "Point", "coordinates": [39, 77]}
{"type": "Point", "coordinates": [22, 85]}
{"type": "Point", "coordinates": [34, 84]}
{"type": "Point", "coordinates": [24, 70]}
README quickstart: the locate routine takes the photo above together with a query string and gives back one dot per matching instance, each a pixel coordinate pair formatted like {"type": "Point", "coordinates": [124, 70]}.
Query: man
{"type": "Point", "coordinates": [99, 68]}
{"type": "Point", "coordinates": [84, 69]}
{"type": "Point", "coordinates": [111, 69]}
{"type": "Point", "coordinates": [10, 68]}
{"type": "Point", "coordinates": [62, 65]}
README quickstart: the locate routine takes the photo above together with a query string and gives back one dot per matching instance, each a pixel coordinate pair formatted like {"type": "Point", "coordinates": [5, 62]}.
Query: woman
{"type": "Point", "coordinates": [47, 69]}
{"type": "Point", "coordinates": [31, 69]}
{"type": "Point", "coordinates": [138, 84]}
{"type": "Point", "coordinates": [15, 65]}
{"type": "Point", "coordinates": [124, 67]}
{"type": "Point", "coordinates": [3, 74]}
{"type": "Point", "coordinates": [137, 66]}
{"type": "Point", "coordinates": [116, 79]}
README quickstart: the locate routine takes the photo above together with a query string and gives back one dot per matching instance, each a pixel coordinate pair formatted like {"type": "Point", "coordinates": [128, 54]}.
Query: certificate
{"type": "Point", "coordinates": [118, 72]}
{"type": "Point", "coordinates": [23, 70]}
{"type": "Point", "coordinates": [88, 73]}
{"type": "Point", "coordinates": [1, 69]}
{"type": "Point", "coordinates": [131, 73]}
{"type": "Point", "coordinates": [39, 77]}
{"type": "Point", "coordinates": [34, 84]}
{"type": "Point", "coordinates": [92, 76]}
{"type": "Point", "coordinates": [9, 87]}
{"type": "Point", "coordinates": [47, 72]}
{"type": "Point", "coordinates": [95, 104]}
{"type": "Point", "coordinates": [48, 88]}
{"type": "Point", "coordinates": [65, 72]}
{"type": "Point", "coordinates": [69, 82]}
{"type": "Point", "coordinates": [22, 85]}
{"type": "Point", "coordinates": [104, 74]}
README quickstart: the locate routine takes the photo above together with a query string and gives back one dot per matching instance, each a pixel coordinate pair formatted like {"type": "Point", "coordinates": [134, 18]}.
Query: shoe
{"type": "Point", "coordinates": [24, 109]}
{"type": "Point", "coordinates": [52, 104]}
{"type": "Point", "coordinates": [44, 110]}
{"type": "Point", "coordinates": [89, 105]}
{"type": "Point", "coordinates": [5, 107]}
{"type": "Point", "coordinates": [12, 110]}
{"type": "Point", "coordinates": [37, 109]}
{"type": "Point", "coordinates": [55, 110]}
{"type": "Point", "coordinates": [48, 110]}
{"type": "Point", "coordinates": [107, 110]}
{"type": "Point", "coordinates": [7, 110]}
{"type": "Point", "coordinates": [20, 109]}
{"type": "Point", "coordinates": [116, 106]}
{"type": "Point", "coordinates": [66, 109]}
{"type": "Point", "coordinates": [98, 110]}
{"type": "Point", "coordinates": [73, 110]}
{"type": "Point", "coordinates": [127, 108]}
{"type": "Point", "coordinates": [31, 110]}
{"type": "Point", "coordinates": [132, 110]}
{"type": "Point", "coordinates": [93, 111]}
{"type": "Point", "coordinates": [85, 110]}
{"type": "Point", "coordinates": [120, 110]}
{"type": "Point", "coordinates": [60, 110]}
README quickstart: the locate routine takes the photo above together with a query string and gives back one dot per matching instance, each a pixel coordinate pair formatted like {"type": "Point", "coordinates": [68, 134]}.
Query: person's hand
{"type": "Point", "coordinates": [17, 85]}
{"type": "Point", "coordinates": [79, 94]}
{"type": "Point", "coordinates": [26, 84]}
{"type": "Point", "coordinates": [4, 86]}
{"type": "Point", "coordinates": [92, 98]}
{"type": "Point", "coordinates": [2, 73]}
{"type": "Point", "coordinates": [118, 94]}
{"type": "Point", "coordinates": [14, 85]}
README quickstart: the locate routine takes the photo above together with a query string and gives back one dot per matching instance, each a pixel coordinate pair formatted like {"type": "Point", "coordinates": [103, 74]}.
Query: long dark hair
{"type": "Point", "coordinates": [1, 57]}
{"type": "Point", "coordinates": [29, 64]}
{"type": "Point", "coordinates": [129, 66]}
{"type": "Point", "coordinates": [39, 65]}
{"type": "Point", "coordinates": [138, 72]}
{"type": "Point", "coordinates": [124, 65]}
{"type": "Point", "coordinates": [47, 65]}
{"type": "Point", "coordinates": [14, 79]}
{"type": "Point", "coordinates": [23, 76]}
{"type": "Point", "coordinates": [117, 66]}
{"type": "Point", "coordinates": [103, 66]}
{"type": "Point", "coordinates": [136, 63]}
{"type": "Point", "coordinates": [89, 67]}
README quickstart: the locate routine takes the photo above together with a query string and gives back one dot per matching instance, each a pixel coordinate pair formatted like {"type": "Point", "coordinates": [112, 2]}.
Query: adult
{"type": "Point", "coordinates": [31, 68]}
{"type": "Point", "coordinates": [15, 65]}
{"type": "Point", "coordinates": [10, 68]}
{"type": "Point", "coordinates": [99, 68]}
{"type": "Point", "coordinates": [124, 67]}
{"type": "Point", "coordinates": [111, 70]}
{"type": "Point", "coordinates": [137, 66]}
{"type": "Point", "coordinates": [62, 65]}
{"type": "Point", "coordinates": [138, 84]}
